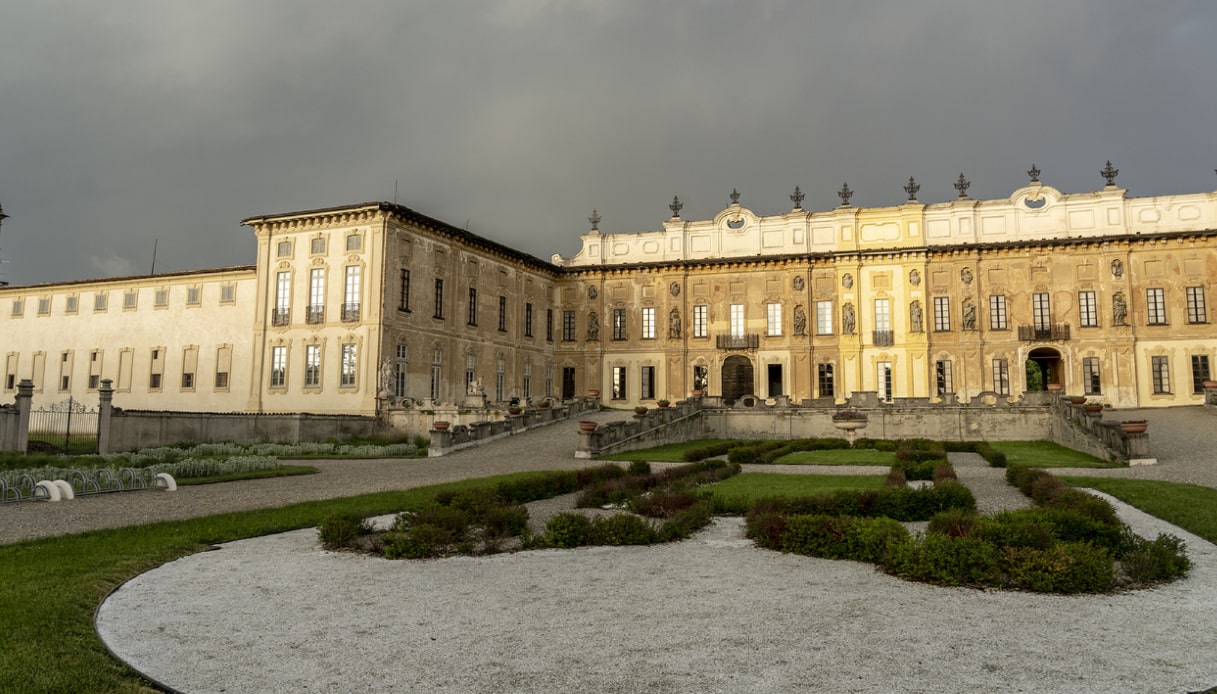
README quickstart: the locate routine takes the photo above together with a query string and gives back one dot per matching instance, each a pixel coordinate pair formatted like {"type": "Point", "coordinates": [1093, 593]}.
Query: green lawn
{"type": "Point", "coordinates": [1046, 454]}
{"type": "Point", "coordinates": [281, 471]}
{"type": "Point", "coordinates": [49, 588]}
{"type": "Point", "coordinates": [1188, 506]}
{"type": "Point", "coordinates": [839, 456]}
{"type": "Point", "coordinates": [671, 453]}
{"type": "Point", "coordinates": [756, 485]}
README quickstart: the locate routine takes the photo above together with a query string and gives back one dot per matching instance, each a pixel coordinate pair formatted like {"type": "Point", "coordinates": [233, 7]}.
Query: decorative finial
{"type": "Point", "coordinates": [1109, 173]}
{"type": "Point", "coordinates": [595, 220]}
{"type": "Point", "coordinates": [912, 188]}
{"type": "Point", "coordinates": [1034, 173]}
{"type": "Point", "coordinates": [797, 198]}
{"type": "Point", "coordinates": [675, 206]}
{"type": "Point", "coordinates": [845, 194]}
{"type": "Point", "coordinates": [962, 186]}
{"type": "Point", "coordinates": [734, 196]}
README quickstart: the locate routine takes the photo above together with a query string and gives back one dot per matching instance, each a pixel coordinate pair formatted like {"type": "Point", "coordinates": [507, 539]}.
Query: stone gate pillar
{"type": "Point", "coordinates": [105, 407]}
{"type": "Point", "coordinates": [25, 398]}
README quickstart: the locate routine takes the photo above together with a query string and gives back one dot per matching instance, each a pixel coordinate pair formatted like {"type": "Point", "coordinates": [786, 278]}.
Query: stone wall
{"type": "Point", "coordinates": [131, 430]}
{"type": "Point", "coordinates": [683, 421]}
{"type": "Point", "coordinates": [8, 427]}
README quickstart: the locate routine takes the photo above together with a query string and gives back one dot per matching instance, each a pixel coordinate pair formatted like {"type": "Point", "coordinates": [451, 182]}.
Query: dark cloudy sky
{"type": "Point", "coordinates": [124, 122]}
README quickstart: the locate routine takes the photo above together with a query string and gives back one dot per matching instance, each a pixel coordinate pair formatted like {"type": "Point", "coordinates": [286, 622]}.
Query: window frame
{"type": "Point", "coordinates": [1155, 306]}
{"type": "Point", "coordinates": [1088, 309]}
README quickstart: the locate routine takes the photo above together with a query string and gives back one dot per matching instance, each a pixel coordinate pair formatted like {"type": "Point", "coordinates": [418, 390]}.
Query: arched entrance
{"type": "Point", "coordinates": [1044, 366]}
{"type": "Point", "coordinates": [737, 378]}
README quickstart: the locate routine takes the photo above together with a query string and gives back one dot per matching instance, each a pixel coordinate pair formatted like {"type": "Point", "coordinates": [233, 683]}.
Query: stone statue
{"type": "Point", "coordinates": [847, 320]}
{"type": "Point", "coordinates": [475, 387]}
{"type": "Point", "coordinates": [847, 281]}
{"type": "Point", "coordinates": [798, 283]}
{"type": "Point", "coordinates": [1119, 309]}
{"type": "Point", "coordinates": [388, 376]}
{"type": "Point", "coordinates": [674, 323]}
{"type": "Point", "coordinates": [800, 321]}
{"type": "Point", "coordinates": [593, 326]}
{"type": "Point", "coordinates": [965, 275]}
{"type": "Point", "coordinates": [969, 315]}
{"type": "Point", "coordinates": [914, 278]}
{"type": "Point", "coordinates": [915, 316]}
{"type": "Point", "coordinates": [1117, 268]}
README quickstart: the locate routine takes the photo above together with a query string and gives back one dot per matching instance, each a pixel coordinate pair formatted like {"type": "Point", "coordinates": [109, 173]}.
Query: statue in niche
{"type": "Point", "coordinates": [965, 276]}
{"type": "Point", "coordinates": [800, 321]}
{"type": "Point", "coordinates": [914, 278]}
{"type": "Point", "coordinates": [475, 387]}
{"type": "Point", "coordinates": [915, 316]}
{"type": "Point", "coordinates": [1119, 309]}
{"type": "Point", "coordinates": [847, 319]}
{"type": "Point", "coordinates": [593, 326]}
{"type": "Point", "coordinates": [847, 281]}
{"type": "Point", "coordinates": [591, 292]}
{"type": "Point", "coordinates": [798, 283]}
{"type": "Point", "coordinates": [969, 315]}
{"type": "Point", "coordinates": [674, 289]}
{"type": "Point", "coordinates": [388, 375]}
{"type": "Point", "coordinates": [1117, 268]}
{"type": "Point", "coordinates": [674, 323]}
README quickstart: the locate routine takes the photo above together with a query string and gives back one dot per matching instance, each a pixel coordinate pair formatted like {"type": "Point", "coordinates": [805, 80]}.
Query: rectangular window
{"type": "Point", "coordinates": [278, 367]}
{"type": "Point", "coordinates": [94, 380]}
{"type": "Point", "coordinates": [997, 312]}
{"type": "Point", "coordinates": [1160, 371]}
{"type": "Point", "coordinates": [773, 319]}
{"type": "Point", "coordinates": [72, 302]}
{"type": "Point", "coordinates": [312, 366]}
{"type": "Point", "coordinates": [1088, 311]}
{"type": "Point", "coordinates": [403, 368]}
{"type": "Point", "coordinates": [527, 381]}
{"type": "Point", "coordinates": [158, 368]}
{"type": "Point", "coordinates": [1196, 312]}
{"type": "Point", "coordinates": [317, 245]}
{"type": "Point", "coordinates": [942, 313]}
{"type": "Point", "coordinates": [439, 298]}
{"type": "Point", "coordinates": [351, 293]}
{"type": "Point", "coordinates": [825, 380]}
{"type": "Point", "coordinates": [500, 381]}
{"type": "Point", "coordinates": [943, 381]}
{"type": "Point", "coordinates": [618, 324]}
{"type": "Point", "coordinates": [883, 314]}
{"type": "Point", "coordinates": [99, 301]}
{"type": "Point", "coordinates": [1200, 372]}
{"type": "Point", "coordinates": [737, 320]}
{"type": "Point", "coordinates": [437, 373]}
{"type": "Point", "coordinates": [1041, 310]}
{"type": "Point", "coordinates": [619, 383]}
{"type": "Point", "coordinates": [549, 328]}
{"type": "Point", "coordinates": [354, 242]}
{"type": "Point", "coordinates": [403, 301]}
{"type": "Point", "coordinates": [283, 297]}
{"type": "Point", "coordinates": [1092, 384]}
{"type": "Point", "coordinates": [44, 306]}
{"type": "Point", "coordinates": [223, 366]}
{"type": "Point", "coordinates": [228, 294]}
{"type": "Point", "coordinates": [502, 314]}
{"type": "Point", "coordinates": [701, 378]}
{"type": "Point", "coordinates": [1155, 306]}
{"type": "Point", "coordinates": [1001, 376]}
{"type": "Point", "coordinates": [154, 381]}
{"type": "Point", "coordinates": [128, 300]}
{"type": "Point", "coordinates": [568, 326]}
{"type": "Point", "coordinates": [187, 380]}
{"type": "Point", "coordinates": [285, 249]}
{"type": "Point", "coordinates": [470, 371]}
{"type": "Point", "coordinates": [824, 318]}
{"type": "Point", "coordinates": [221, 380]}
{"type": "Point", "coordinates": [160, 299]}
{"type": "Point", "coordinates": [700, 320]}
{"type": "Point", "coordinates": [549, 380]}
{"type": "Point", "coordinates": [884, 379]}
{"type": "Point", "coordinates": [194, 296]}
{"type": "Point", "coordinates": [18, 307]}
{"type": "Point", "coordinates": [648, 323]}
{"type": "Point", "coordinates": [647, 386]}
{"type": "Point", "coordinates": [316, 296]}
{"type": "Point", "coordinates": [527, 320]}
{"type": "Point", "coordinates": [347, 376]}
{"type": "Point", "coordinates": [473, 307]}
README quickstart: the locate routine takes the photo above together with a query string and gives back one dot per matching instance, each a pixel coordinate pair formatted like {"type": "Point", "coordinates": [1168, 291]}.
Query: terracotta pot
{"type": "Point", "coordinates": [1210, 384]}
{"type": "Point", "coordinates": [514, 410]}
{"type": "Point", "coordinates": [698, 393]}
{"type": "Point", "coordinates": [1056, 387]}
{"type": "Point", "coordinates": [593, 393]}
{"type": "Point", "coordinates": [1134, 426]}
{"type": "Point", "coordinates": [1077, 399]}
{"type": "Point", "coordinates": [663, 403]}
{"type": "Point", "coordinates": [441, 426]}
{"type": "Point", "coordinates": [585, 425]}
{"type": "Point", "coordinates": [1094, 408]}
{"type": "Point", "coordinates": [640, 410]}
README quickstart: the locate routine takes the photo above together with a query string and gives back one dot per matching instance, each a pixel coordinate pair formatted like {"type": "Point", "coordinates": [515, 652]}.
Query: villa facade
{"type": "Point", "coordinates": [364, 307]}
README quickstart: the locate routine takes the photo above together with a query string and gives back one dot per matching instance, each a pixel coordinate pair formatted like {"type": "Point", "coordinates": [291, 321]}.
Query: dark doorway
{"type": "Point", "coordinates": [775, 380]}
{"type": "Point", "coordinates": [568, 382]}
{"type": "Point", "coordinates": [1047, 361]}
{"type": "Point", "coordinates": [737, 378]}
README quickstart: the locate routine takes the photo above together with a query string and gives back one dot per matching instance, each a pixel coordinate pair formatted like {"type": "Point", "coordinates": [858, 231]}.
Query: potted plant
{"type": "Point", "coordinates": [1056, 387]}
{"type": "Point", "coordinates": [662, 403]}
{"type": "Point", "coordinates": [1093, 406]}
{"type": "Point", "coordinates": [1076, 399]}
{"type": "Point", "coordinates": [1134, 426]}
{"type": "Point", "coordinates": [544, 403]}
{"type": "Point", "coordinates": [514, 410]}
{"type": "Point", "coordinates": [585, 425]}
{"type": "Point", "coordinates": [441, 425]}
{"type": "Point", "coordinates": [640, 410]}
{"type": "Point", "coordinates": [849, 421]}
{"type": "Point", "coordinates": [593, 393]}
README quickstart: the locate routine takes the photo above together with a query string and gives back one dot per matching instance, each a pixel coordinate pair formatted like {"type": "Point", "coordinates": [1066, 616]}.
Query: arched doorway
{"type": "Point", "coordinates": [1044, 366]}
{"type": "Point", "coordinates": [737, 378]}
